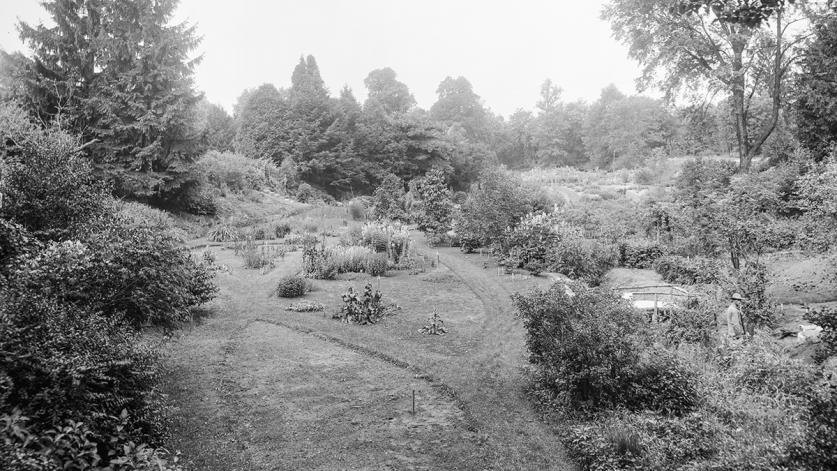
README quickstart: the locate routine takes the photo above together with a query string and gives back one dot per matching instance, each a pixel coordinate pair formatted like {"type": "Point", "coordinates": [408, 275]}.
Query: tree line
{"type": "Point", "coordinates": [740, 77]}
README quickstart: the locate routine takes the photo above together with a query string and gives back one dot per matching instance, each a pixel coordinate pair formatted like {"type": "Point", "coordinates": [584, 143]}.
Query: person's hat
{"type": "Point", "coordinates": [737, 297]}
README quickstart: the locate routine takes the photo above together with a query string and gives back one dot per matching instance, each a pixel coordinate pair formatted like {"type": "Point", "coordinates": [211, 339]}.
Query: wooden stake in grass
{"type": "Point", "coordinates": [414, 402]}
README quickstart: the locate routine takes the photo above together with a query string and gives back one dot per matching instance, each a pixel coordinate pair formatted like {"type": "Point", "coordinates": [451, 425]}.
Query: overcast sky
{"type": "Point", "coordinates": [505, 49]}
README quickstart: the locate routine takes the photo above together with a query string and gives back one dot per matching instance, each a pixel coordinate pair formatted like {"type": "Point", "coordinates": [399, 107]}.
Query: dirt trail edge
{"type": "Point", "coordinates": [252, 391]}
{"type": "Point", "coordinates": [499, 403]}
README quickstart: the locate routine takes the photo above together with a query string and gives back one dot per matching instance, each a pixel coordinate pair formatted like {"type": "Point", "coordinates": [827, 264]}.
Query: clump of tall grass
{"type": "Point", "coordinates": [349, 259]}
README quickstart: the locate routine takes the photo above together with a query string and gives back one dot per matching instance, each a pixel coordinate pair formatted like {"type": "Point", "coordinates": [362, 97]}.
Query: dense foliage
{"type": "Point", "coordinates": [119, 75]}
{"type": "Point", "coordinates": [77, 384]}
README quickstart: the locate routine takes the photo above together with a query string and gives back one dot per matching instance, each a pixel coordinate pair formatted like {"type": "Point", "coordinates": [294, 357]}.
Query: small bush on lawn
{"type": "Point", "coordinates": [305, 306]}
{"type": "Point", "coordinates": [639, 253]}
{"type": "Point", "coordinates": [376, 265]}
{"type": "Point", "coordinates": [362, 309]}
{"type": "Point", "coordinates": [688, 270]}
{"type": "Point", "coordinates": [291, 287]}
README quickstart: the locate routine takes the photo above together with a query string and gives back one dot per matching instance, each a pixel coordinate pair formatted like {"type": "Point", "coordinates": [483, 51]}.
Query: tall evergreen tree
{"type": "Point", "coordinates": [118, 73]}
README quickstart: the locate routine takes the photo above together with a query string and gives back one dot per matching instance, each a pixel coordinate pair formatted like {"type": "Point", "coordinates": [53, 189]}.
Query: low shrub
{"type": "Point", "coordinates": [62, 362]}
{"type": "Point", "coordinates": [694, 325]}
{"type": "Point", "coordinates": [281, 230]}
{"type": "Point", "coordinates": [317, 264]}
{"type": "Point", "coordinates": [827, 319]}
{"type": "Point", "coordinates": [587, 345]}
{"type": "Point", "coordinates": [223, 233]}
{"type": "Point", "coordinates": [376, 265]}
{"type": "Point", "coordinates": [639, 253]}
{"type": "Point", "coordinates": [375, 236]}
{"type": "Point", "coordinates": [580, 258]}
{"type": "Point", "coordinates": [528, 244]}
{"type": "Point", "coordinates": [138, 274]}
{"type": "Point", "coordinates": [356, 210]}
{"type": "Point", "coordinates": [232, 172]}
{"type": "Point", "coordinates": [688, 270]}
{"type": "Point", "coordinates": [815, 450]}
{"type": "Point", "coordinates": [362, 309]}
{"type": "Point", "coordinates": [291, 287]}
{"type": "Point", "coordinates": [306, 306]}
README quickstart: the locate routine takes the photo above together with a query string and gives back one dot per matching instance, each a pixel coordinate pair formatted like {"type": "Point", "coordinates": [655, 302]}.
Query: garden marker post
{"type": "Point", "coordinates": [414, 402]}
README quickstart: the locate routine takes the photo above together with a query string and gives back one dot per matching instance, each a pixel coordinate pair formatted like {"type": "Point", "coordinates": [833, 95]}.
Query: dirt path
{"type": "Point", "coordinates": [499, 402]}
{"type": "Point", "coordinates": [257, 389]}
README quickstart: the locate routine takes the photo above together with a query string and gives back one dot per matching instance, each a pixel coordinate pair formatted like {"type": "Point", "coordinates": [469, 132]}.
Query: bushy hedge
{"type": "Point", "coordinates": [136, 273]}
{"type": "Point", "coordinates": [688, 270]}
{"type": "Point", "coordinates": [291, 287]}
{"type": "Point", "coordinates": [588, 347]}
{"type": "Point", "coordinates": [580, 258]}
{"type": "Point", "coordinates": [496, 202]}
{"type": "Point", "coordinates": [639, 253]}
{"type": "Point", "coordinates": [77, 386]}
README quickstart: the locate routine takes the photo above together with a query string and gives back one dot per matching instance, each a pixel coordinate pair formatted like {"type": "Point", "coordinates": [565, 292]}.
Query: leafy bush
{"type": "Point", "coordinates": [580, 258]}
{"type": "Point", "coordinates": [236, 173]}
{"type": "Point", "coordinates": [132, 272]}
{"type": "Point", "coordinates": [317, 264]}
{"type": "Point", "coordinates": [639, 253]}
{"type": "Point", "coordinates": [757, 310]}
{"type": "Point", "coordinates": [281, 229]}
{"type": "Point", "coordinates": [528, 244]}
{"type": "Point", "coordinates": [434, 207]}
{"type": "Point", "coordinates": [376, 265]}
{"type": "Point", "coordinates": [688, 270]}
{"type": "Point", "coordinates": [365, 309]}
{"type": "Point", "coordinates": [375, 236]}
{"type": "Point", "coordinates": [642, 440]}
{"type": "Point", "coordinates": [587, 347]}
{"type": "Point", "coordinates": [62, 362]}
{"type": "Point", "coordinates": [389, 199]}
{"type": "Point", "coordinates": [694, 325]}
{"type": "Point", "coordinates": [815, 450]}
{"type": "Point", "coordinates": [357, 210]}
{"type": "Point", "coordinates": [498, 201]}
{"type": "Point", "coordinates": [291, 287]}
{"type": "Point", "coordinates": [47, 186]}
{"type": "Point", "coordinates": [827, 319]}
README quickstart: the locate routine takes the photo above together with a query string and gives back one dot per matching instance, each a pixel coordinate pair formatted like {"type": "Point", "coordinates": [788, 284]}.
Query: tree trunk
{"type": "Point", "coordinates": [775, 91]}
{"type": "Point", "coordinates": [739, 107]}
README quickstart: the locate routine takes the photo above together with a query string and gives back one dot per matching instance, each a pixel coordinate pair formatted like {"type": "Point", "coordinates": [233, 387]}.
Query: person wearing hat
{"type": "Point", "coordinates": [735, 324]}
